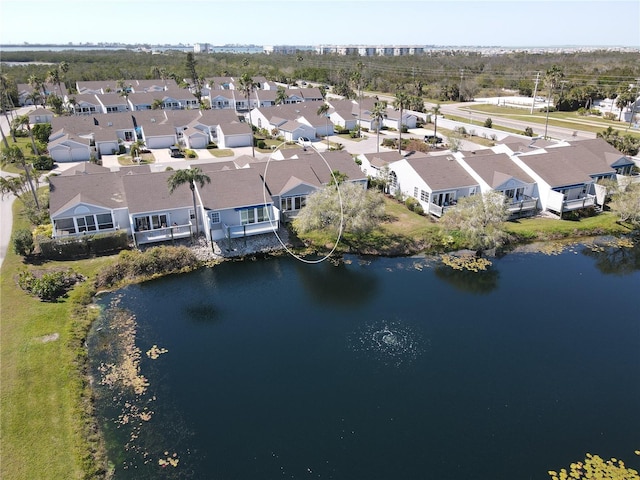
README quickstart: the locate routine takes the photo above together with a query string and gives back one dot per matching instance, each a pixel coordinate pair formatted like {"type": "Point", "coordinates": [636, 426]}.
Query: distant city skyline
{"type": "Point", "coordinates": [330, 22]}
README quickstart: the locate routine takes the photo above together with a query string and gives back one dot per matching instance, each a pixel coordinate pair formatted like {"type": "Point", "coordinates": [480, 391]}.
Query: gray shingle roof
{"type": "Point", "coordinates": [441, 172]}
{"type": "Point", "coordinates": [488, 164]}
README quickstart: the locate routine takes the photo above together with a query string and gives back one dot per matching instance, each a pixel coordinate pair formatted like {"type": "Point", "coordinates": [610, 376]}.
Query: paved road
{"type": "Point", "coordinates": [461, 110]}
{"type": "Point", "coordinates": [556, 133]}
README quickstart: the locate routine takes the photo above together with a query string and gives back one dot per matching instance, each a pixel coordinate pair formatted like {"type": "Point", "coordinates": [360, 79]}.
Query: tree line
{"type": "Point", "coordinates": [442, 76]}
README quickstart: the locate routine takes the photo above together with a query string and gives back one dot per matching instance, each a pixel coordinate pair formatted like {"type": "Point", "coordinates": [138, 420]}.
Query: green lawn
{"type": "Point", "coordinates": [43, 418]}
{"type": "Point", "coordinates": [594, 124]}
{"type": "Point", "coordinates": [25, 145]}
{"type": "Point", "coordinates": [127, 160]}
{"type": "Point", "coordinates": [539, 228]}
{"type": "Point", "coordinates": [219, 153]}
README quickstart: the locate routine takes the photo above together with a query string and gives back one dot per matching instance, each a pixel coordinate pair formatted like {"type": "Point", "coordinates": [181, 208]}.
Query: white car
{"type": "Point", "coordinates": [304, 142]}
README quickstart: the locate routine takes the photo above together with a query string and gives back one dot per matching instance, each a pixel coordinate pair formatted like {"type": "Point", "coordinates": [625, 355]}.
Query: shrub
{"type": "Point", "coordinates": [610, 116]}
{"type": "Point", "coordinates": [190, 153]}
{"type": "Point", "coordinates": [528, 132]}
{"type": "Point", "coordinates": [41, 132]}
{"type": "Point", "coordinates": [23, 242]}
{"type": "Point", "coordinates": [155, 261]}
{"type": "Point", "coordinates": [414, 205]}
{"type": "Point", "coordinates": [262, 144]}
{"type": "Point", "coordinates": [43, 230]}
{"type": "Point", "coordinates": [43, 162]}
{"type": "Point", "coordinates": [50, 286]}
{"type": "Point", "coordinates": [488, 123]}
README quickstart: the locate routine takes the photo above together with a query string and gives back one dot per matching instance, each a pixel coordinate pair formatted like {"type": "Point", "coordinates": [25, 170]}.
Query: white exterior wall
{"type": "Point", "coordinates": [408, 179]}
{"type": "Point", "coordinates": [107, 148]}
{"type": "Point", "coordinates": [160, 142]}
{"type": "Point", "coordinates": [544, 188]}
{"type": "Point", "coordinates": [66, 153]}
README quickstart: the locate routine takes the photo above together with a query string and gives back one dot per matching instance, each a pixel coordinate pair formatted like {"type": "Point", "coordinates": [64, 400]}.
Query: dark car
{"type": "Point", "coordinates": [433, 139]}
{"type": "Point", "coordinates": [175, 152]}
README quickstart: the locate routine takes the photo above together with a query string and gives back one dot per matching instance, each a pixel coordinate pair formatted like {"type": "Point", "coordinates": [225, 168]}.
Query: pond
{"type": "Point", "coordinates": [373, 368]}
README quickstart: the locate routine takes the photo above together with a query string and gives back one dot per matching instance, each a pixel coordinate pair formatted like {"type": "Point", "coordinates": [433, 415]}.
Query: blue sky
{"type": "Point", "coordinates": [302, 22]}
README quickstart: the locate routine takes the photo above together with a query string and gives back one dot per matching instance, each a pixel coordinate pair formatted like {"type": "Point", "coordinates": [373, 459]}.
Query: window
{"type": "Point", "coordinates": [86, 224]}
{"type": "Point", "coordinates": [105, 221]}
{"type": "Point", "coordinates": [142, 223]}
{"type": "Point", "coordinates": [424, 196]}
{"type": "Point", "coordinates": [215, 217]}
{"type": "Point", "coordinates": [65, 225]}
{"type": "Point", "coordinates": [393, 179]}
{"type": "Point", "coordinates": [254, 215]}
{"type": "Point", "coordinates": [159, 221]}
{"type": "Point", "coordinates": [293, 203]}
{"type": "Point", "coordinates": [247, 216]}
{"type": "Point", "coordinates": [415, 192]}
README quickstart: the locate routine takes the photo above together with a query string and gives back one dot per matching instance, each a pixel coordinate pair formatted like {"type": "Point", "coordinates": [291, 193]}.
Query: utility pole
{"type": "Point", "coordinates": [535, 92]}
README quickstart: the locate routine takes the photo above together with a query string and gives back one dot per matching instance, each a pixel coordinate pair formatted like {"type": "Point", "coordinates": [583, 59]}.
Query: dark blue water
{"type": "Point", "coordinates": [384, 369]}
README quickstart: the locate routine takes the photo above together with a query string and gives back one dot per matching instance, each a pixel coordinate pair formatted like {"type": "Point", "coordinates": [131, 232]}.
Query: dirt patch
{"type": "Point", "coordinates": [52, 337]}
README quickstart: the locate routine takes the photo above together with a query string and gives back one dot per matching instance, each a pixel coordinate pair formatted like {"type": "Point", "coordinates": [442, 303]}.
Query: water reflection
{"type": "Point", "coordinates": [202, 312]}
{"type": "Point", "coordinates": [337, 284]}
{"type": "Point", "coordinates": [614, 257]}
{"type": "Point", "coordinates": [480, 283]}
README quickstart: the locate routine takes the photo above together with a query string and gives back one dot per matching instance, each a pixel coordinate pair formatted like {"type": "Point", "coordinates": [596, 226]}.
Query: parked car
{"type": "Point", "coordinates": [175, 152]}
{"type": "Point", "coordinates": [434, 139]}
{"type": "Point", "coordinates": [304, 142]}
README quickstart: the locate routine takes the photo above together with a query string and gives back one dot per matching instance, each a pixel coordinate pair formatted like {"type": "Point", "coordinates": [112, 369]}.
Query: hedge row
{"type": "Point", "coordinates": [71, 248]}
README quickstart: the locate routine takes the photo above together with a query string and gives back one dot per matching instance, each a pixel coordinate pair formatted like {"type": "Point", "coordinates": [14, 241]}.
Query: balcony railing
{"type": "Point", "coordinates": [528, 203]}
{"type": "Point", "coordinates": [162, 234]}
{"type": "Point", "coordinates": [238, 231]}
{"type": "Point", "coordinates": [578, 203]}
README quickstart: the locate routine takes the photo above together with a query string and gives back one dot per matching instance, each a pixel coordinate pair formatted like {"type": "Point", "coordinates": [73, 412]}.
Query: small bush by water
{"type": "Point", "coordinates": [155, 261]}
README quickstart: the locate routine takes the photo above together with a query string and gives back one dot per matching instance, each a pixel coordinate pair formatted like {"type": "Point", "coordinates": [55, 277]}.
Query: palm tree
{"type": "Point", "coordinates": [378, 114]}
{"type": "Point", "coordinates": [190, 176]}
{"type": "Point", "coordinates": [6, 100]}
{"type": "Point", "coordinates": [35, 97]}
{"type": "Point", "coordinates": [23, 122]}
{"type": "Point", "coordinates": [356, 78]}
{"type": "Point", "coordinates": [322, 110]}
{"type": "Point", "coordinates": [135, 149]}
{"type": "Point", "coordinates": [14, 154]}
{"type": "Point", "coordinates": [281, 96]}
{"type": "Point", "coordinates": [436, 111]}
{"type": "Point", "coordinates": [247, 85]}
{"type": "Point", "coordinates": [402, 101]}
{"type": "Point", "coordinates": [53, 76]}
{"type": "Point", "coordinates": [552, 78]}
{"type": "Point", "coordinates": [37, 84]}
{"type": "Point", "coordinates": [12, 186]}
{"type": "Point", "coordinates": [4, 139]}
